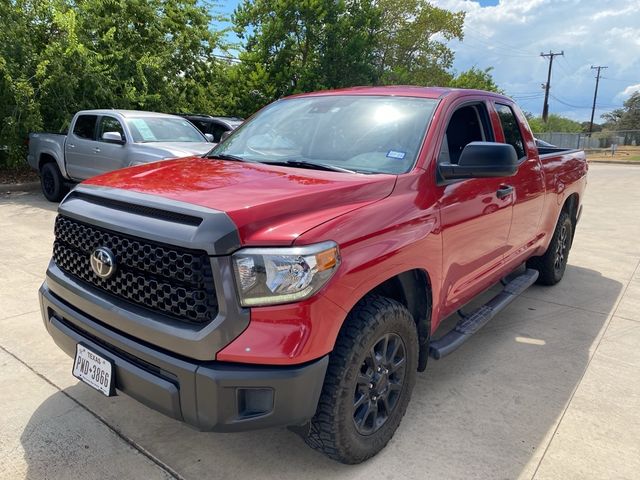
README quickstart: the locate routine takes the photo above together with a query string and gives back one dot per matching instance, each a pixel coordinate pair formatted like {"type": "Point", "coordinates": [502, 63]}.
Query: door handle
{"type": "Point", "coordinates": [97, 150]}
{"type": "Point", "coordinates": [71, 145]}
{"type": "Point", "coordinates": [504, 191]}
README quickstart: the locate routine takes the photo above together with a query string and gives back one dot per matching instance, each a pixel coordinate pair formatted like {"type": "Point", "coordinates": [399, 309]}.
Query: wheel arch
{"type": "Point", "coordinates": [570, 206]}
{"type": "Point", "coordinates": [46, 158]}
{"type": "Point", "coordinates": [412, 288]}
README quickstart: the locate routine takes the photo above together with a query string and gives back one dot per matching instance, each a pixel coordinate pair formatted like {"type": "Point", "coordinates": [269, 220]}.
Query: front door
{"type": "Point", "coordinates": [475, 218]}
{"type": "Point", "coordinates": [80, 148]}
{"type": "Point", "coordinates": [110, 156]}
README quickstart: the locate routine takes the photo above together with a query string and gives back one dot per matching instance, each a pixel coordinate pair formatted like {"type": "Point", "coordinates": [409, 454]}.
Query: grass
{"type": "Point", "coordinates": [623, 154]}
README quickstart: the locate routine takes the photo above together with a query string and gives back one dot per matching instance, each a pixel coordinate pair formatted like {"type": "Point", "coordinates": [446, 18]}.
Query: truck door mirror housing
{"type": "Point", "coordinates": [225, 135]}
{"type": "Point", "coordinates": [113, 137]}
{"type": "Point", "coordinates": [210, 138]}
{"type": "Point", "coordinates": [482, 160]}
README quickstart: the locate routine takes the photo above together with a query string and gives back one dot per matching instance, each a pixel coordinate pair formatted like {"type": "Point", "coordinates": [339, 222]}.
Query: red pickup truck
{"type": "Point", "coordinates": [298, 273]}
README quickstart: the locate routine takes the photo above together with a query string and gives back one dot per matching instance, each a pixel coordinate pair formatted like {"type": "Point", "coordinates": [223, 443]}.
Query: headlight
{"type": "Point", "coordinates": [266, 276]}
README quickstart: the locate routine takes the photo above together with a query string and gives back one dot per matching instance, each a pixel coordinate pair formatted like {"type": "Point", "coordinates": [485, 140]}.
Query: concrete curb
{"type": "Point", "coordinates": [19, 187]}
{"type": "Point", "coordinates": [614, 162]}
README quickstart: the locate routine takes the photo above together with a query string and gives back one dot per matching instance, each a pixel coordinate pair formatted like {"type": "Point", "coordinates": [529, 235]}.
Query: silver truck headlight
{"type": "Point", "coordinates": [267, 276]}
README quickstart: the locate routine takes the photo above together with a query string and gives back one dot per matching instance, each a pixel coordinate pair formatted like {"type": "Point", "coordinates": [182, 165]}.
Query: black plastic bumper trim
{"type": "Point", "coordinates": [206, 395]}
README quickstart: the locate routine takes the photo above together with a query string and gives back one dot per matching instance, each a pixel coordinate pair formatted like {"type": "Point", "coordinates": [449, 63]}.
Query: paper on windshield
{"type": "Point", "coordinates": [143, 128]}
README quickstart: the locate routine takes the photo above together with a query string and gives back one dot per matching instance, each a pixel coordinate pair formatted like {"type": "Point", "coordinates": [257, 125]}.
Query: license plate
{"type": "Point", "coordinates": [93, 369]}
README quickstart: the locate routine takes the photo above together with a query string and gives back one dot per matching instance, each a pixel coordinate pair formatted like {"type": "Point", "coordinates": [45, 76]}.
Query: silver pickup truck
{"type": "Point", "coordinates": [103, 140]}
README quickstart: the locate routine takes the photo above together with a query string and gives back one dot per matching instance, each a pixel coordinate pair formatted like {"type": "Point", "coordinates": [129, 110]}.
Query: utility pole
{"type": "Point", "coordinates": [595, 95]}
{"type": "Point", "coordinates": [545, 108]}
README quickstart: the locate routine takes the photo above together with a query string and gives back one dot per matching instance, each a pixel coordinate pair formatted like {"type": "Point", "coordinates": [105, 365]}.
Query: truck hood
{"type": "Point", "coordinates": [270, 205]}
{"type": "Point", "coordinates": [177, 149]}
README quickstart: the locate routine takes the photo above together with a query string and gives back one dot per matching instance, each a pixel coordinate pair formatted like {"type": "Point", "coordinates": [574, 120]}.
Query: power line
{"type": "Point", "coordinates": [545, 108]}
{"type": "Point", "coordinates": [495, 40]}
{"type": "Point", "coordinates": [595, 95]}
{"type": "Point", "coordinates": [584, 107]}
{"type": "Point", "coordinates": [626, 80]}
{"type": "Point", "coordinates": [527, 97]}
{"type": "Point", "coordinates": [484, 46]}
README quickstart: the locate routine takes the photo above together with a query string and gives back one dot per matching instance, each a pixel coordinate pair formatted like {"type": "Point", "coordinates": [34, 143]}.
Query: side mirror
{"type": "Point", "coordinates": [210, 138]}
{"type": "Point", "coordinates": [482, 160]}
{"type": "Point", "coordinates": [113, 137]}
{"type": "Point", "coordinates": [225, 135]}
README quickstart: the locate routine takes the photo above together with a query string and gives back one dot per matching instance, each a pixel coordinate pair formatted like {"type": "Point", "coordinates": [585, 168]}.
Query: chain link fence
{"type": "Point", "coordinates": [607, 145]}
{"type": "Point", "coordinates": [597, 140]}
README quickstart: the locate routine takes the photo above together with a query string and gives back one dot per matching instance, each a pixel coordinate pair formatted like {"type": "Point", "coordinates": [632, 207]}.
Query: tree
{"type": "Point", "coordinates": [587, 125]}
{"type": "Point", "coordinates": [314, 44]}
{"type": "Point", "coordinates": [627, 117]}
{"type": "Point", "coordinates": [59, 56]}
{"type": "Point", "coordinates": [307, 45]}
{"type": "Point", "coordinates": [555, 123]}
{"type": "Point", "coordinates": [411, 42]}
{"type": "Point", "coordinates": [477, 79]}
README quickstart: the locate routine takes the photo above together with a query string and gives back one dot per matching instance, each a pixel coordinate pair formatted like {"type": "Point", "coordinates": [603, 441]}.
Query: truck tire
{"type": "Point", "coordinates": [52, 183]}
{"type": "Point", "coordinates": [553, 263]}
{"type": "Point", "coordinates": [369, 381]}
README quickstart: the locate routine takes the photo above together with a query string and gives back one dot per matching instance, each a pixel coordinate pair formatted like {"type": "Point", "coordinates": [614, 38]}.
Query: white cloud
{"type": "Point", "coordinates": [631, 89]}
{"type": "Point", "coordinates": [510, 36]}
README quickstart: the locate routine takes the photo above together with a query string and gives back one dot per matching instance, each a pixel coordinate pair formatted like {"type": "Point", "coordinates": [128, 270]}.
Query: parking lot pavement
{"type": "Point", "coordinates": [549, 389]}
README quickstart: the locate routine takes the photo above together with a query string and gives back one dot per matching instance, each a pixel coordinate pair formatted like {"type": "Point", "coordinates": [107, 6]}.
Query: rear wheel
{"type": "Point", "coordinates": [369, 381]}
{"type": "Point", "coordinates": [553, 263]}
{"type": "Point", "coordinates": [52, 183]}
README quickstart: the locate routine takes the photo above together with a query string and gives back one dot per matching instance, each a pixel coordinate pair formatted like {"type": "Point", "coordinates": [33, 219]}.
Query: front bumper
{"type": "Point", "coordinates": [208, 395]}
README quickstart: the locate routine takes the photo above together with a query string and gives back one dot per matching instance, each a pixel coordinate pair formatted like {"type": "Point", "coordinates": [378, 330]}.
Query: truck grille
{"type": "Point", "coordinates": [172, 280]}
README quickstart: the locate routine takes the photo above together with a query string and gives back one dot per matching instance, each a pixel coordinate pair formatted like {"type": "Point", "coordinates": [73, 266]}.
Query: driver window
{"type": "Point", "coordinates": [109, 124]}
{"type": "Point", "coordinates": [467, 124]}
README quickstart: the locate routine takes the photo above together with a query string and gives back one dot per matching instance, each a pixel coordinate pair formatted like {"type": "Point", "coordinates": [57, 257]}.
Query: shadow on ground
{"type": "Point", "coordinates": [486, 411]}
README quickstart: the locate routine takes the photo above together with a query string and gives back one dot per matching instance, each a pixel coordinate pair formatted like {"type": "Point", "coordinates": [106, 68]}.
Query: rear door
{"type": "Point", "coordinates": [79, 148]}
{"type": "Point", "coordinates": [528, 183]}
{"type": "Point", "coordinates": [475, 221]}
{"type": "Point", "coordinates": [108, 155]}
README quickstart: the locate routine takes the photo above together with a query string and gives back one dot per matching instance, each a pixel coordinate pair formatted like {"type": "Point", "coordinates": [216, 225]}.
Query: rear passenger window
{"type": "Point", "coordinates": [511, 129]}
{"type": "Point", "coordinates": [85, 126]}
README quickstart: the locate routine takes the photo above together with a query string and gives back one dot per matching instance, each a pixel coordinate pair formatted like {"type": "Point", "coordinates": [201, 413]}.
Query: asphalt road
{"type": "Point", "coordinates": [549, 389]}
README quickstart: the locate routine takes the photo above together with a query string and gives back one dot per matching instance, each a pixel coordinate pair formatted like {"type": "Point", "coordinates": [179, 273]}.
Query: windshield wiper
{"type": "Point", "coordinates": [317, 166]}
{"type": "Point", "coordinates": [226, 156]}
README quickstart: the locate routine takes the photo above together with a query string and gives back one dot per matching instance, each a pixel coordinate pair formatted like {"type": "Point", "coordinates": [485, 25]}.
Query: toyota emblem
{"type": "Point", "coordinates": [103, 262]}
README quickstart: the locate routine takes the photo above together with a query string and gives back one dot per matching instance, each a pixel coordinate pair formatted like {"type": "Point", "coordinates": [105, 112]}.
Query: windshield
{"type": "Point", "coordinates": [370, 134]}
{"type": "Point", "coordinates": [163, 129]}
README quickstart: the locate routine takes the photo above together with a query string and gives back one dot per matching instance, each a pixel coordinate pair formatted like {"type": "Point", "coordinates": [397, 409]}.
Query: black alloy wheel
{"type": "Point", "coordinates": [379, 384]}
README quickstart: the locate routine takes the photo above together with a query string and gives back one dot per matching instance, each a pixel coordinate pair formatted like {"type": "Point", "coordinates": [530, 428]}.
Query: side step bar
{"type": "Point", "coordinates": [470, 324]}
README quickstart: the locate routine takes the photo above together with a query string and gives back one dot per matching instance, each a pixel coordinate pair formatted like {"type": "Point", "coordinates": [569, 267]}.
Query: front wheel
{"type": "Point", "coordinates": [369, 381]}
{"type": "Point", "coordinates": [553, 263]}
{"type": "Point", "coordinates": [52, 183]}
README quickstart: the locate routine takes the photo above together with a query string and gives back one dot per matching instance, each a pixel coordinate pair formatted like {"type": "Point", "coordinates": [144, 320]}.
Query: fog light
{"type": "Point", "coordinates": [253, 402]}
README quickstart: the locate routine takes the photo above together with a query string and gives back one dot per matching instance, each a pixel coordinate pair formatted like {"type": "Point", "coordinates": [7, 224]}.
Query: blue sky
{"type": "Point", "coordinates": [509, 35]}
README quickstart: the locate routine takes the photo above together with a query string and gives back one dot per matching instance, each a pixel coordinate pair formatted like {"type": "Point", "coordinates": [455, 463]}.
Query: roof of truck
{"type": "Point", "coordinates": [404, 91]}
{"type": "Point", "coordinates": [125, 113]}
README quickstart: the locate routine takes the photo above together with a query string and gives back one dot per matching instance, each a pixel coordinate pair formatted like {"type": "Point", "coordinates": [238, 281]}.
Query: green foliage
{"type": "Point", "coordinates": [586, 125]}
{"type": "Point", "coordinates": [411, 42]}
{"type": "Point", "coordinates": [555, 123]}
{"type": "Point", "coordinates": [625, 118]}
{"type": "Point", "coordinates": [298, 46]}
{"type": "Point", "coordinates": [476, 78]}
{"type": "Point", "coordinates": [295, 46]}
{"type": "Point", "coordinates": [60, 56]}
